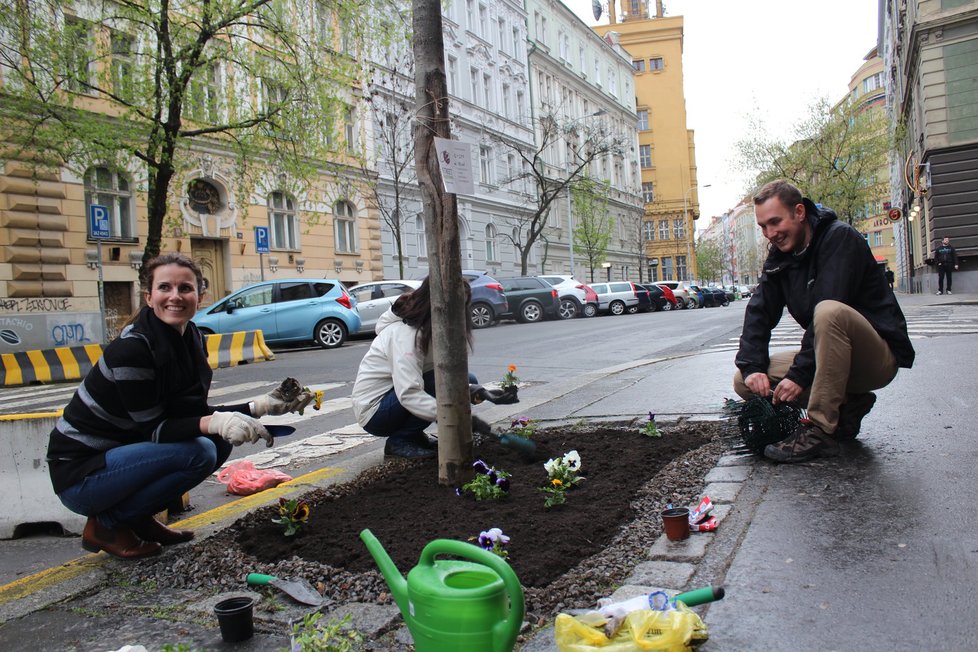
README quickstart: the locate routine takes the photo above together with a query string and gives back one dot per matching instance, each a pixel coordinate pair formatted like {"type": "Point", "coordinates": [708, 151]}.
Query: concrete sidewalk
{"type": "Point", "coordinates": [864, 551]}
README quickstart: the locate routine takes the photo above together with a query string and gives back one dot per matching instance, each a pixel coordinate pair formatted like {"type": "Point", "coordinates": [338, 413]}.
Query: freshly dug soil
{"type": "Point", "coordinates": [565, 557]}
{"type": "Point", "coordinates": [405, 508]}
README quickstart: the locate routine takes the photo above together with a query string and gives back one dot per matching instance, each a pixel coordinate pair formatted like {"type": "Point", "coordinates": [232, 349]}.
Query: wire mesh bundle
{"type": "Point", "coordinates": [753, 424]}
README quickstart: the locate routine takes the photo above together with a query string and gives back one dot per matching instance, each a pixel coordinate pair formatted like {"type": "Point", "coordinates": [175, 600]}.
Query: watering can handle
{"type": "Point", "coordinates": [506, 631]}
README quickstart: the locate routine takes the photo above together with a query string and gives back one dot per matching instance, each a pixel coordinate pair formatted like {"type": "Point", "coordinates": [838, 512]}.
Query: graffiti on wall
{"type": "Point", "coordinates": [36, 304]}
{"type": "Point", "coordinates": [46, 331]}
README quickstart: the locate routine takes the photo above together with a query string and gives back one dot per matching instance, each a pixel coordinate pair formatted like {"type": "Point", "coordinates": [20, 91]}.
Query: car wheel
{"type": "Point", "coordinates": [631, 310]}
{"type": "Point", "coordinates": [617, 308]}
{"type": "Point", "coordinates": [726, 302]}
{"type": "Point", "coordinates": [330, 333]}
{"type": "Point", "coordinates": [530, 312]}
{"type": "Point", "coordinates": [691, 303]}
{"type": "Point", "coordinates": [590, 310]}
{"type": "Point", "coordinates": [481, 315]}
{"type": "Point", "coordinates": [568, 309]}
{"type": "Point", "coordinates": [667, 307]}
{"type": "Point", "coordinates": [654, 307]}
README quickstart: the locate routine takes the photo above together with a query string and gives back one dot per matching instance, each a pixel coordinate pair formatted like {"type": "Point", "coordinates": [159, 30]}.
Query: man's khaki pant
{"type": "Point", "coordinates": [850, 358]}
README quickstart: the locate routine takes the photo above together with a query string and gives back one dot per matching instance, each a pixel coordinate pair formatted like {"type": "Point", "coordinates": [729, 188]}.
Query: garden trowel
{"type": "Point", "coordinates": [299, 589]}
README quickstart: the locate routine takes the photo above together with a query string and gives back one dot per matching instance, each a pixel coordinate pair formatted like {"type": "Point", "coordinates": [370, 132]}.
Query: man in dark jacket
{"type": "Point", "coordinates": [947, 261]}
{"type": "Point", "coordinates": [855, 337]}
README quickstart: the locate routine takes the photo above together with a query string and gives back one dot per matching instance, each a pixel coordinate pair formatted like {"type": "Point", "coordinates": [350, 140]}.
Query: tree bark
{"type": "Point", "coordinates": [448, 292]}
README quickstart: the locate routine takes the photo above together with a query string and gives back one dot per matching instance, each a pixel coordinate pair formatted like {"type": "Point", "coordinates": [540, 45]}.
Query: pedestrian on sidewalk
{"type": "Point", "coordinates": [890, 277]}
{"type": "Point", "coordinates": [855, 338]}
{"type": "Point", "coordinates": [138, 432]}
{"type": "Point", "coordinates": [394, 392]}
{"type": "Point", "coordinates": [947, 261]}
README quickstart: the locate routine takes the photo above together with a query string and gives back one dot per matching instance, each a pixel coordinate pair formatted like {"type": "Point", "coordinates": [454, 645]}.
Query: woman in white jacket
{"type": "Point", "coordinates": [393, 395]}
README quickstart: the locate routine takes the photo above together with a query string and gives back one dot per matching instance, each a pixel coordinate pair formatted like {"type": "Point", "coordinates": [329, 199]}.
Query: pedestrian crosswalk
{"type": "Point", "coordinates": [788, 334]}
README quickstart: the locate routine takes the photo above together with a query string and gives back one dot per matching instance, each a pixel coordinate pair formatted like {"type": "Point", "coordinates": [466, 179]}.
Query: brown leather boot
{"type": "Point", "coordinates": [149, 529]}
{"type": "Point", "coordinates": [119, 541]}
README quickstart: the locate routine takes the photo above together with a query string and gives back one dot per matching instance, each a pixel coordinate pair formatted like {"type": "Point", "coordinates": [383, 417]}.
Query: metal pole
{"type": "Point", "coordinates": [261, 264]}
{"type": "Point", "coordinates": [101, 293]}
{"type": "Point", "coordinates": [570, 227]}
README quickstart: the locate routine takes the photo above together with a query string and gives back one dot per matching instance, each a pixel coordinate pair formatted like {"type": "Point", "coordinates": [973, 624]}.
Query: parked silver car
{"type": "Point", "coordinates": [374, 298]}
{"type": "Point", "coordinates": [573, 296]}
{"type": "Point", "coordinates": [683, 297]}
{"type": "Point", "coordinates": [616, 297]}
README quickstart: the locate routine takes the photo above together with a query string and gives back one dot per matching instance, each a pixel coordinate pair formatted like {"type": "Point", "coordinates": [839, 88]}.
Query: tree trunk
{"type": "Point", "coordinates": [448, 292]}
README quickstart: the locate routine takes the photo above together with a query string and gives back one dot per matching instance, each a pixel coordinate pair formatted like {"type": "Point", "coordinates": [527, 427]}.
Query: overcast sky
{"type": "Point", "coordinates": [769, 57]}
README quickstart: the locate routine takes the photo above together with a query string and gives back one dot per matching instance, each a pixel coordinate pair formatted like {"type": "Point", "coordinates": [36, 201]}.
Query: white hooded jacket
{"type": "Point", "coordinates": [393, 361]}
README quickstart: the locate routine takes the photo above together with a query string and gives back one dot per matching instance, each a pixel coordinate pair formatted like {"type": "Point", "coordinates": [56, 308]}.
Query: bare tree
{"type": "Point", "coordinates": [392, 104]}
{"type": "Point", "coordinates": [584, 142]}
{"type": "Point", "coordinates": [448, 289]}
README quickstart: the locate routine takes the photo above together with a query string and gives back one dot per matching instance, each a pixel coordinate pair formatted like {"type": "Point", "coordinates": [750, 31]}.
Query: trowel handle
{"type": "Point", "coordinates": [257, 579]}
{"type": "Point", "coordinates": [701, 596]}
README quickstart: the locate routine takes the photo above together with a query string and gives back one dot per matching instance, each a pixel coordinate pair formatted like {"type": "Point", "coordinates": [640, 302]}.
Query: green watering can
{"type": "Point", "coordinates": [451, 605]}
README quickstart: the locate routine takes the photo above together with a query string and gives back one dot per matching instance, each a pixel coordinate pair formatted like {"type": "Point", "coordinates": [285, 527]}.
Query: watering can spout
{"type": "Point", "coordinates": [395, 581]}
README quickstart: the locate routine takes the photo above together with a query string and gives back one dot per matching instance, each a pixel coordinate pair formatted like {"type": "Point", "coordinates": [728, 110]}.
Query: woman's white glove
{"type": "Point", "coordinates": [236, 428]}
{"type": "Point", "coordinates": [287, 397]}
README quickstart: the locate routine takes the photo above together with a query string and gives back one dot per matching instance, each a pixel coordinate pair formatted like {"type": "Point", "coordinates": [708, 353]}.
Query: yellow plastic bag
{"type": "Point", "coordinates": [644, 629]}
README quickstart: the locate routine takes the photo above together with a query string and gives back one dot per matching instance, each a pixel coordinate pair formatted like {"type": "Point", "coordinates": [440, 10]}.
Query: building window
{"type": "Point", "coordinates": [422, 238]}
{"type": "Point", "coordinates": [873, 82]}
{"type": "Point", "coordinates": [282, 221]}
{"type": "Point", "coordinates": [490, 243]}
{"type": "Point", "coordinates": [666, 265]}
{"type": "Point", "coordinates": [452, 75]}
{"type": "Point", "coordinates": [645, 156]}
{"type": "Point", "coordinates": [638, 65]}
{"type": "Point", "coordinates": [350, 129]}
{"type": "Point", "coordinates": [656, 63]}
{"type": "Point", "coordinates": [648, 231]}
{"type": "Point", "coordinates": [505, 108]}
{"type": "Point", "coordinates": [519, 105]}
{"type": "Point", "coordinates": [345, 227]}
{"type": "Point", "coordinates": [643, 119]}
{"type": "Point", "coordinates": [597, 72]}
{"type": "Point", "coordinates": [612, 82]}
{"type": "Point", "coordinates": [648, 192]}
{"type": "Point", "coordinates": [483, 22]}
{"type": "Point", "coordinates": [679, 229]}
{"type": "Point", "coordinates": [79, 51]}
{"type": "Point", "coordinates": [682, 273]}
{"type": "Point", "coordinates": [204, 198]}
{"type": "Point", "coordinates": [516, 41]}
{"type": "Point", "coordinates": [203, 94]}
{"type": "Point", "coordinates": [122, 51]}
{"type": "Point", "coordinates": [663, 229]}
{"type": "Point", "coordinates": [485, 164]}
{"type": "Point", "coordinates": [501, 23]}
{"type": "Point", "coordinates": [474, 85]}
{"type": "Point", "coordinates": [106, 187]}
{"type": "Point", "coordinates": [487, 93]}
{"type": "Point", "coordinates": [470, 14]}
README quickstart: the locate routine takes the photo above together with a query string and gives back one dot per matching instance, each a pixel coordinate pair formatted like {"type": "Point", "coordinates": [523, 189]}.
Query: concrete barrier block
{"type": "Point", "coordinates": [232, 349]}
{"type": "Point", "coordinates": [48, 365]}
{"type": "Point", "coordinates": [24, 479]}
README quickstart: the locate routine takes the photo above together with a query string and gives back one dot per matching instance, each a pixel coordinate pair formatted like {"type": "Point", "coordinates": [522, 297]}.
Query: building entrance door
{"type": "Point", "coordinates": [209, 254]}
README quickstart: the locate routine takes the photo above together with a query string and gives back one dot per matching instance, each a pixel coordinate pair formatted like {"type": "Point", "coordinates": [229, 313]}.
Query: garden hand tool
{"type": "Point", "coordinates": [504, 396]}
{"type": "Point", "coordinates": [522, 445]}
{"type": "Point", "coordinates": [299, 589]}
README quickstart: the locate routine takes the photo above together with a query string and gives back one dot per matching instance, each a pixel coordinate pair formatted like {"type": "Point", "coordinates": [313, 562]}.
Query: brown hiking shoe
{"type": "Point", "coordinates": [851, 415]}
{"type": "Point", "coordinates": [806, 442]}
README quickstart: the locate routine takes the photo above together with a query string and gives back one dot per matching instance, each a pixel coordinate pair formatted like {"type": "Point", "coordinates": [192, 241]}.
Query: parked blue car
{"type": "Point", "coordinates": [286, 310]}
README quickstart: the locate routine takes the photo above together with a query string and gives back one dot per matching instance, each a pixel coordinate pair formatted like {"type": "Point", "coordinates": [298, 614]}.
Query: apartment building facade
{"type": "Point", "coordinates": [930, 54]}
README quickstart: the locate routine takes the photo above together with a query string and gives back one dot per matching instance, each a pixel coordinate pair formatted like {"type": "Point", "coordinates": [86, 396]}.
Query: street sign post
{"type": "Point", "coordinates": [98, 223]}
{"type": "Point", "coordinates": [261, 246]}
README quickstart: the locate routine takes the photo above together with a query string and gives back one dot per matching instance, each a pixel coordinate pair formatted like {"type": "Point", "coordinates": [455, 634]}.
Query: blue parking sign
{"type": "Point", "coordinates": [98, 218]}
{"type": "Point", "coordinates": [261, 239]}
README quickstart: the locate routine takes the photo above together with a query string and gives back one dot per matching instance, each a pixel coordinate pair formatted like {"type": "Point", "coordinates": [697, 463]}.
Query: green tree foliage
{"type": "Point", "coordinates": [268, 83]}
{"type": "Point", "coordinates": [837, 156]}
{"type": "Point", "coordinates": [593, 229]}
{"type": "Point", "coordinates": [709, 261]}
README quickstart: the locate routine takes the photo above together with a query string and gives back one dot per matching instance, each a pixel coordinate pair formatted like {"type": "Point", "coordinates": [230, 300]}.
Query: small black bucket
{"type": "Point", "coordinates": [234, 615]}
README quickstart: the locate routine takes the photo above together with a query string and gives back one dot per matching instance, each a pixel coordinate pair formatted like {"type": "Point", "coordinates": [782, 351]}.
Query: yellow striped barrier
{"type": "Point", "coordinates": [73, 363]}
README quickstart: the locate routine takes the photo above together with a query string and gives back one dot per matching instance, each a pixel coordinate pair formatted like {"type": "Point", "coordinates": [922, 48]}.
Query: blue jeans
{"type": "Point", "coordinates": [394, 421]}
{"type": "Point", "coordinates": [142, 479]}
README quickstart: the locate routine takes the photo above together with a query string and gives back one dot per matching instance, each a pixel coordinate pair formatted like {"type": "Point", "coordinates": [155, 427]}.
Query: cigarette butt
{"type": "Point", "coordinates": [319, 398]}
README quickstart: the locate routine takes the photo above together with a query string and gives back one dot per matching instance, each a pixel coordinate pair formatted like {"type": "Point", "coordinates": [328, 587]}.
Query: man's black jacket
{"type": "Point", "coordinates": [838, 265]}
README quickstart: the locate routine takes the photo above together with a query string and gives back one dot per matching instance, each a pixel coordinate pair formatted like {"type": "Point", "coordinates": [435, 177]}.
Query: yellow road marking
{"type": "Point", "coordinates": [36, 582]}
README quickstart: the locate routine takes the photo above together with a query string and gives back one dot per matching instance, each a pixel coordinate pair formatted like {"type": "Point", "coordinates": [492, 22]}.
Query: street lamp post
{"type": "Point", "coordinates": [689, 234]}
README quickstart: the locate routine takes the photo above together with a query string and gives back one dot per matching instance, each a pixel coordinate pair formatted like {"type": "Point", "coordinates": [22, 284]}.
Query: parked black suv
{"type": "Point", "coordinates": [530, 299]}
